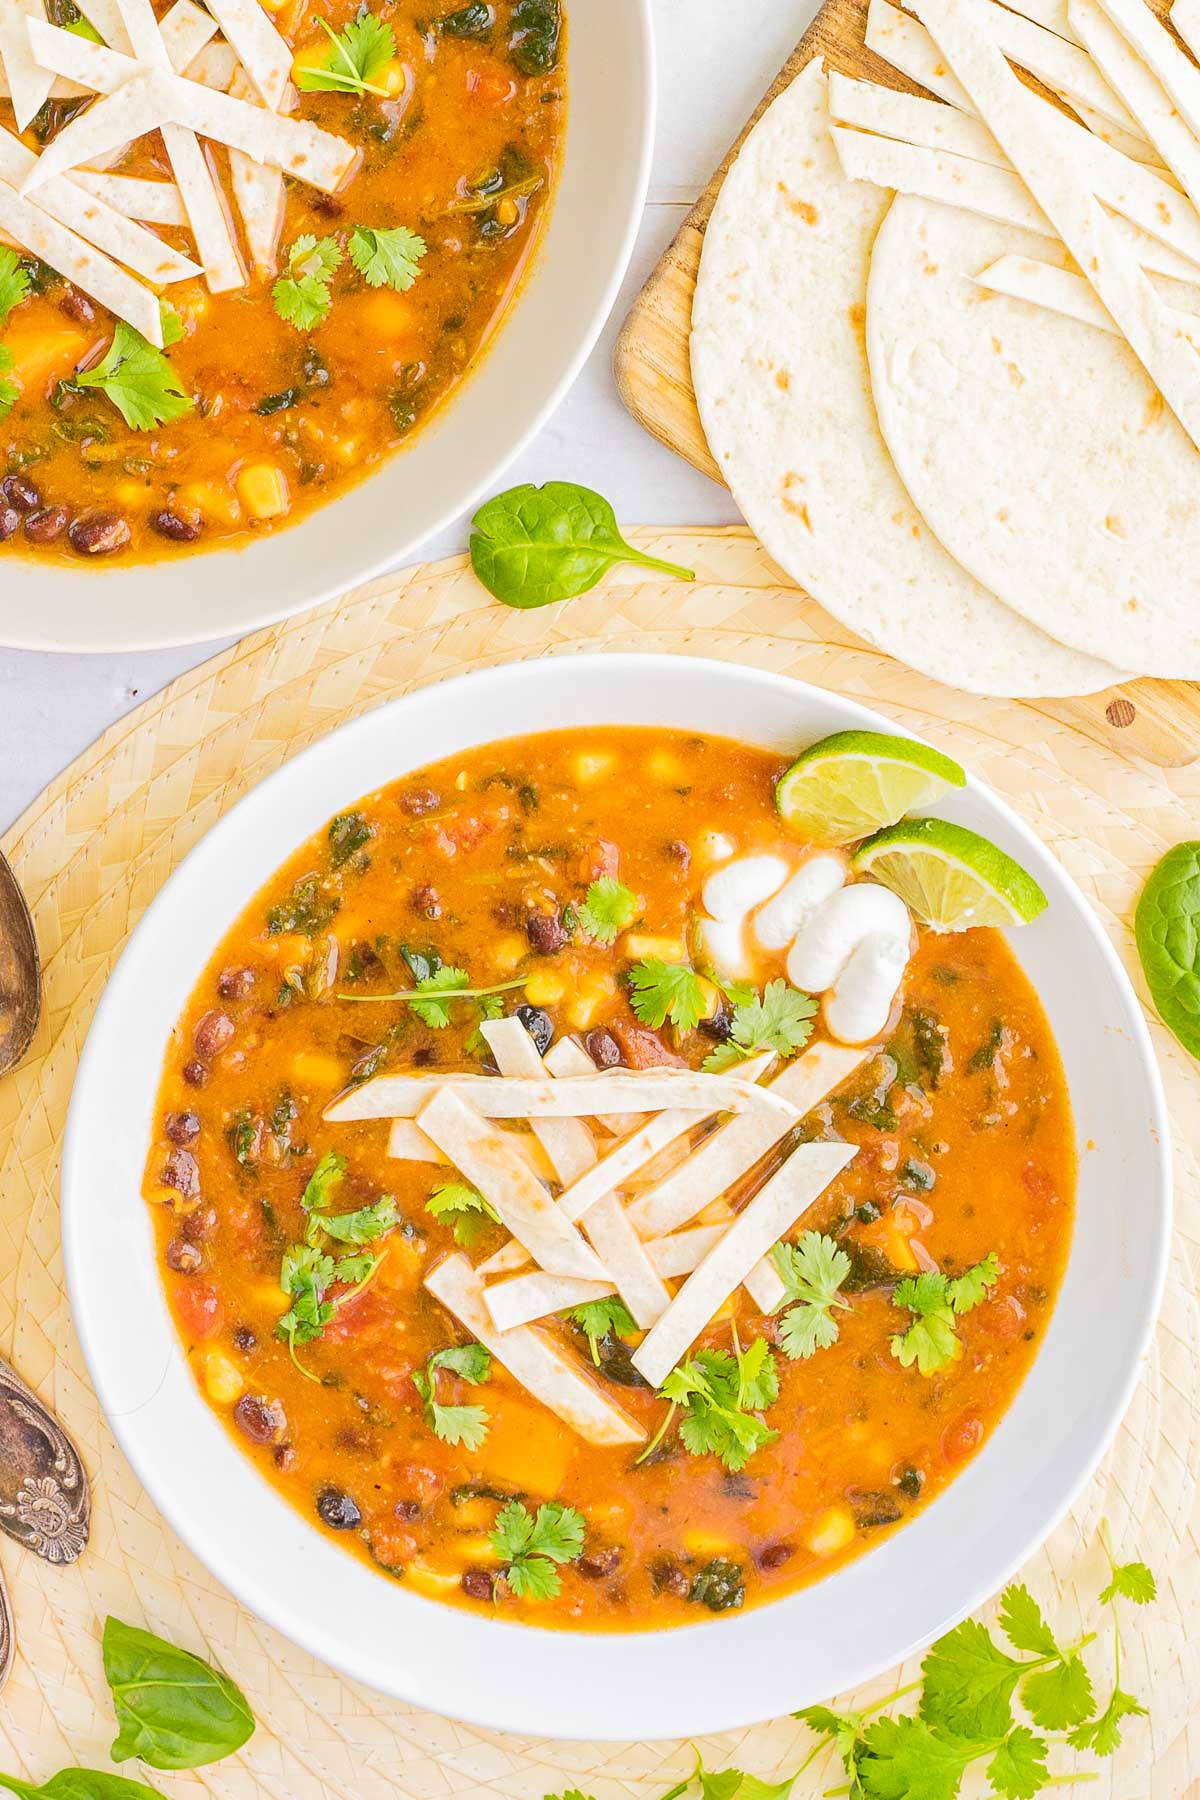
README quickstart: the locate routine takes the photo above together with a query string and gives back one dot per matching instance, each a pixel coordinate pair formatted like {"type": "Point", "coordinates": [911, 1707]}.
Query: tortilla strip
{"type": "Point", "coordinates": [157, 202]}
{"type": "Point", "coordinates": [1142, 92]}
{"type": "Point", "coordinates": [106, 17]}
{"type": "Point", "coordinates": [1135, 148]}
{"type": "Point", "coordinates": [99, 69]}
{"type": "Point", "coordinates": [734, 1150]}
{"type": "Point", "coordinates": [1064, 67]}
{"type": "Point", "coordinates": [577, 1097]}
{"type": "Point", "coordinates": [185, 30]}
{"type": "Point", "coordinates": [1144, 32]}
{"type": "Point", "coordinates": [28, 83]}
{"type": "Point", "coordinates": [567, 1142]}
{"type": "Point", "coordinates": [623, 1161]}
{"type": "Point", "coordinates": [961, 29]}
{"type": "Point", "coordinates": [1051, 15]}
{"type": "Point", "coordinates": [624, 1256]}
{"type": "Point", "coordinates": [487, 1159]}
{"type": "Point", "coordinates": [88, 268]}
{"type": "Point", "coordinates": [408, 1143]}
{"type": "Point", "coordinates": [540, 1367]}
{"type": "Point", "coordinates": [568, 1057]}
{"type": "Point", "coordinates": [258, 193]}
{"type": "Point", "coordinates": [1132, 190]}
{"type": "Point", "coordinates": [215, 67]}
{"type": "Point", "coordinates": [537, 1295]}
{"type": "Point", "coordinates": [774, 1210]}
{"type": "Point", "coordinates": [262, 51]}
{"type": "Point", "coordinates": [999, 194]}
{"type": "Point", "coordinates": [60, 88]}
{"type": "Point", "coordinates": [506, 1259]}
{"type": "Point", "coordinates": [1058, 290]}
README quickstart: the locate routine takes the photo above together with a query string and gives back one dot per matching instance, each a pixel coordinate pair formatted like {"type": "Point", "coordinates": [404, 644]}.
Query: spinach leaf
{"type": "Point", "coordinates": [474, 20]}
{"type": "Point", "coordinates": [531, 546]}
{"type": "Point", "coordinates": [1167, 927]}
{"type": "Point", "coordinates": [536, 29]}
{"type": "Point", "coordinates": [81, 1784]}
{"type": "Point", "coordinates": [173, 1710]}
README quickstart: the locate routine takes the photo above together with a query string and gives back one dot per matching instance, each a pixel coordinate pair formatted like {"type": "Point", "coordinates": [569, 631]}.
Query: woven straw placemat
{"type": "Point", "coordinates": [92, 852]}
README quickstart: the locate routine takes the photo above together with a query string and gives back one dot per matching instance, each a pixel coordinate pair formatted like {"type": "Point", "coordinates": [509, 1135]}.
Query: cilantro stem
{"type": "Point", "coordinates": [437, 995]}
{"type": "Point", "coordinates": [355, 82]}
{"type": "Point", "coordinates": [658, 1437]}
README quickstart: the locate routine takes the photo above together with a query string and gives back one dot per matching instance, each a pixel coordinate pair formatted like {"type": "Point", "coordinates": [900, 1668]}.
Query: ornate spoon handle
{"type": "Point", "coordinates": [45, 1503]}
{"type": "Point", "coordinates": [8, 1636]}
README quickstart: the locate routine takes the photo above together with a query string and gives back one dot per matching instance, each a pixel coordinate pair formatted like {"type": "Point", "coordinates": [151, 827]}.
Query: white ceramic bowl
{"type": "Point", "coordinates": [721, 1673]}
{"type": "Point", "coordinates": [459, 456]}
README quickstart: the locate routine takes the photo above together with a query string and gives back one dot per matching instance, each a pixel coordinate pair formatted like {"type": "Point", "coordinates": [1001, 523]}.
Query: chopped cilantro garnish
{"type": "Point", "coordinates": [719, 1394]}
{"type": "Point", "coordinates": [529, 1545]}
{"type": "Point", "coordinates": [812, 1271]}
{"type": "Point", "coordinates": [10, 392]}
{"type": "Point", "coordinates": [599, 1318]}
{"type": "Point", "coordinates": [608, 909]}
{"type": "Point", "coordinates": [139, 379]}
{"type": "Point", "coordinates": [357, 56]}
{"type": "Point", "coordinates": [348, 834]}
{"type": "Point", "coordinates": [781, 1021]}
{"type": "Point", "coordinates": [465, 1425]}
{"type": "Point", "coordinates": [463, 1207]}
{"type": "Point", "coordinates": [14, 282]}
{"type": "Point", "coordinates": [659, 991]}
{"type": "Point", "coordinates": [387, 257]}
{"type": "Point", "coordinates": [302, 294]}
{"type": "Point", "coordinates": [307, 909]}
{"type": "Point", "coordinates": [935, 1301]}
{"type": "Point", "coordinates": [363, 1226]}
{"type": "Point", "coordinates": [324, 1182]}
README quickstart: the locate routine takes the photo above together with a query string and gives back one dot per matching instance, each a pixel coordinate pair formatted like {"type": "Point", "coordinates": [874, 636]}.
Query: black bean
{"type": "Point", "coordinates": [200, 1226]}
{"type": "Point", "coordinates": [47, 524]}
{"type": "Point", "coordinates": [172, 525]}
{"type": "Point", "coordinates": [182, 1127]}
{"type": "Point", "coordinates": [775, 1555]}
{"type": "Point", "coordinates": [668, 1577]}
{"type": "Point", "coordinates": [679, 853]}
{"type": "Point", "coordinates": [195, 1073]}
{"type": "Point", "coordinates": [603, 1049]}
{"type": "Point", "coordinates": [77, 306]}
{"type": "Point", "coordinates": [326, 205]}
{"type": "Point", "coordinates": [408, 1510]}
{"type": "Point", "coordinates": [181, 1171]}
{"type": "Point", "coordinates": [338, 1510]}
{"type": "Point", "coordinates": [99, 534]}
{"type": "Point", "coordinates": [235, 984]}
{"type": "Point", "coordinates": [263, 1421]}
{"type": "Point", "coordinates": [212, 1033]}
{"type": "Point", "coordinates": [427, 902]}
{"type": "Point", "coordinates": [10, 519]}
{"type": "Point", "coordinates": [546, 932]}
{"type": "Point", "coordinates": [285, 1456]}
{"type": "Point", "coordinates": [539, 1025]}
{"type": "Point", "coordinates": [183, 1257]}
{"type": "Point", "coordinates": [599, 1563]}
{"type": "Point", "coordinates": [480, 1584]}
{"type": "Point", "coordinates": [20, 492]}
{"type": "Point", "coordinates": [720, 1026]}
{"type": "Point", "coordinates": [245, 1338]}
{"type": "Point", "coordinates": [420, 800]}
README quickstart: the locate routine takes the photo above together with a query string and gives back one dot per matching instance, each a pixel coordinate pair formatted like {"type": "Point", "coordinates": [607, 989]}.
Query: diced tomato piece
{"type": "Point", "coordinates": [491, 87]}
{"type": "Point", "coordinates": [391, 1545]}
{"type": "Point", "coordinates": [358, 1315]}
{"type": "Point", "coordinates": [200, 1309]}
{"type": "Point", "coordinates": [643, 1049]}
{"type": "Point", "coordinates": [1003, 1318]}
{"type": "Point", "coordinates": [601, 858]}
{"type": "Point", "coordinates": [453, 835]}
{"type": "Point", "coordinates": [1038, 1183]}
{"type": "Point", "coordinates": [963, 1438]}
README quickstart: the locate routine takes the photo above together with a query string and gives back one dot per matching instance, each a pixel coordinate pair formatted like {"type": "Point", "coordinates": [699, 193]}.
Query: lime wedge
{"type": "Point", "coordinates": [951, 878]}
{"type": "Point", "coordinates": [850, 784]}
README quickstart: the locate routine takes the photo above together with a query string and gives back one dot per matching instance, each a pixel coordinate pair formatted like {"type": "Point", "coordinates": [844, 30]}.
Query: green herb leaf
{"type": "Point", "coordinates": [14, 282]}
{"type": "Point", "coordinates": [709, 1388]}
{"type": "Point", "coordinates": [1059, 1696]}
{"type": "Point", "coordinates": [363, 1226]}
{"type": "Point", "coordinates": [465, 1208]}
{"type": "Point", "coordinates": [139, 379]}
{"type": "Point", "coordinates": [905, 1760]}
{"type": "Point", "coordinates": [597, 1318]}
{"type": "Point", "coordinates": [324, 1182]}
{"type": "Point", "coordinates": [608, 909]}
{"type": "Point", "coordinates": [659, 991]}
{"type": "Point", "coordinates": [1103, 1735]}
{"type": "Point", "coordinates": [1132, 1581]}
{"type": "Point", "coordinates": [1167, 928]}
{"type": "Point", "coordinates": [348, 834]}
{"type": "Point", "coordinates": [969, 1683]}
{"type": "Point", "coordinates": [1022, 1623]}
{"type": "Point", "coordinates": [387, 257]}
{"type": "Point", "coordinates": [781, 1021]}
{"type": "Point", "coordinates": [357, 56]}
{"type": "Point", "coordinates": [1018, 1769]}
{"type": "Point", "coordinates": [173, 1710]}
{"type": "Point", "coordinates": [812, 1272]}
{"type": "Point", "coordinates": [81, 1784]}
{"type": "Point", "coordinates": [473, 20]}
{"type": "Point", "coordinates": [302, 295]}
{"type": "Point", "coordinates": [534, 36]}
{"type": "Point", "coordinates": [530, 1546]}
{"type": "Point", "coordinates": [936, 1301]}
{"type": "Point", "coordinates": [10, 391]}
{"type": "Point", "coordinates": [531, 546]}
{"type": "Point", "coordinates": [466, 1425]}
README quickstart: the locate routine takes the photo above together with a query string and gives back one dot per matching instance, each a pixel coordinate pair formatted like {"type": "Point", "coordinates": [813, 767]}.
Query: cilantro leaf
{"type": "Point", "coordinates": [758, 1378]}
{"type": "Point", "coordinates": [10, 391]}
{"type": "Point", "coordinates": [1133, 1581]}
{"type": "Point", "coordinates": [660, 991]}
{"type": "Point", "coordinates": [436, 1013]}
{"type": "Point", "coordinates": [608, 909]}
{"type": "Point", "coordinates": [387, 257]}
{"type": "Point", "coordinates": [357, 56]}
{"type": "Point", "coordinates": [529, 1545]}
{"type": "Point", "coordinates": [465, 1208]}
{"type": "Point", "coordinates": [470, 1362]}
{"type": "Point", "coordinates": [305, 1275]}
{"type": "Point", "coordinates": [708, 1388]}
{"type": "Point", "coordinates": [904, 1760]}
{"type": "Point", "coordinates": [1103, 1734]}
{"type": "Point", "coordinates": [1018, 1769]}
{"type": "Point", "coordinates": [599, 1318]}
{"type": "Point", "coordinates": [812, 1272]}
{"type": "Point", "coordinates": [465, 1425]}
{"type": "Point", "coordinates": [935, 1302]}
{"type": "Point", "coordinates": [324, 1182]}
{"type": "Point", "coordinates": [139, 379]}
{"type": "Point", "coordinates": [302, 294]}
{"type": "Point", "coordinates": [781, 1021]}
{"type": "Point", "coordinates": [968, 1289]}
{"type": "Point", "coordinates": [1060, 1696]}
{"type": "Point", "coordinates": [969, 1683]}
{"type": "Point", "coordinates": [1022, 1623]}
{"type": "Point", "coordinates": [363, 1226]}
{"type": "Point", "coordinates": [355, 1270]}
{"type": "Point", "coordinates": [14, 282]}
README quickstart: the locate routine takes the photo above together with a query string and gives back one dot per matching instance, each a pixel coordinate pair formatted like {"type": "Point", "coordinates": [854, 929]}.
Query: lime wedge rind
{"type": "Point", "coordinates": [951, 878]}
{"type": "Point", "coordinates": [848, 785]}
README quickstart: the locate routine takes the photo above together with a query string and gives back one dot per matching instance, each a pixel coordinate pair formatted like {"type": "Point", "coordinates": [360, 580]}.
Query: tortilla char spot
{"type": "Point", "coordinates": [1015, 376]}
{"type": "Point", "coordinates": [1155, 406]}
{"type": "Point", "coordinates": [1132, 604]}
{"type": "Point", "coordinates": [929, 268]}
{"type": "Point", "coordinates": [1164, 212]}
{"type": "Point", "coordinates": [803, 209]}
{"type": "Point", "coordinates": [1002, 514]}
{"type": "Point", "coordinates": [1114, 524]}
{"type": "Point", "coordinates": [997, 347]}
{"type": "Point", "coordinates": [783, 379]}
{"type": "Point", "coordinates": [798, 508]}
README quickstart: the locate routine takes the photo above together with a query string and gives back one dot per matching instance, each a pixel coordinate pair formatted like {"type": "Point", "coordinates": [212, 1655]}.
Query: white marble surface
{"type": "Point", "coordinates": [715, 58]}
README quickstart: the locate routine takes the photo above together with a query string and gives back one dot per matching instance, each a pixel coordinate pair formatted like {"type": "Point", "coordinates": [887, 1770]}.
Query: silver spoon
{"type": "Point", "coordinates": [20, 973]}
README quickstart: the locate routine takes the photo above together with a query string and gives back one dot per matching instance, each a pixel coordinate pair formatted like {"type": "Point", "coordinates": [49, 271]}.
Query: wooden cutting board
{"type": "Point", "coordinates": [1157, 720]}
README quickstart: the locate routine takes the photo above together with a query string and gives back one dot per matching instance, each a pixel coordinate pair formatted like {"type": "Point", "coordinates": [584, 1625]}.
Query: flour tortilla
{"type": "Point", "coordinates": [1035, 446]}
{"type": "Point", "coordinates": [781, 378]}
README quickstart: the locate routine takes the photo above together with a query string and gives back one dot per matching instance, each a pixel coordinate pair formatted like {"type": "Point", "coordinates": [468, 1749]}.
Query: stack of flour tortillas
{"type": "Point", "coordinates": [947, 352]}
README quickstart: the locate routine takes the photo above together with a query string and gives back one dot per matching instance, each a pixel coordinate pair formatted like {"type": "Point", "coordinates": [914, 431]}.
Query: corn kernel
{"type": "Point", "coordinates": [476, 1514]}
{"type": "Point", "coordinates": [830, 1531]}
{"type": "Point", "coordinates": [712, 998]}
{"type": "Point", "coordinates": [507, 211]}
{"type": "Point", "coordinates": [435, 1582]}
{"type": "Point", "coordinates": [312, 1069]}
{"type": "Point", "coordinates": [589, 765]}
{"type": "Point", "coordinates": [590, 1001]}
{"type": "Point", "coordinates": [664, 765]}
{"type": "Point", "coordinates": [223, 1381]}
{"type": "Point", "coordinates": [212, 501]}
{"type": "Point", "coordinates": [470, 1549]}
{"type": "Point", "coordinates": [386, 314]}
{"type": "Point", "coordinates": [639, 944]}
{"type": "Point", "coordinates": [714, 847]}
{"type": "Point", "coordinates": [263, 490]}
{"type": "Point", "coordinates": [392, 79]}
{"type": "Point", "coordinates": [708, 1544]}
{"type": "Point", "coordinates": [313, 56]}
{"type": "Point", "coordinates": [544, 988]}
{"type": "Point", "coordinates": [507, 952]}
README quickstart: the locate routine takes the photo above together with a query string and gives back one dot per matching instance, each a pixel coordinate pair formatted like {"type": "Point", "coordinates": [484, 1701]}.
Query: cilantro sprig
{"type": "Point", "coordinates": [10, 391]}
{"type": "Point", "coordinates": [309, 1270]}
{"type": "Point", "coordinates": [357, 56]}
{"type": "Point", "coordinates": [600, 1318]}
{"type": "Point", "coordinates": [387, 257]}
{"type": "Point", "coordinates": [936, 1301]}
{"type": "Point", "coordinates": [529, 1545]}
{"type": "Point", "coordinates": [812, 1272]}
{"type": "Point", "coordinates": [660, 990]}
{"type": "Point", "coordinates": [435, 986]}
{"type": "Point", "coordinates": [780, 1021]}
{"type": "Point", "coordinates": [465, 1209]}
{"type": "Point", "coordinates": [720, 1395]}
{"type": "Point", "coordinates": [139, 379]}
{"type": "Point", "coordinates": [608, 909]}
{"type": "Point", "coordinates": [303, 294]}
{"type": "Point", "coordinates": [14, 282]}
{"type": "Point", "coordinates": [465, 1425]}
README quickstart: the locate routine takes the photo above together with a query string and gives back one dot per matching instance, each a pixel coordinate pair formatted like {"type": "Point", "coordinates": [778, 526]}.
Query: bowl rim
{"type": "Point", "coordinates": [28, 627]}
{"type": "Point", "coordinates": [506, 1705]}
